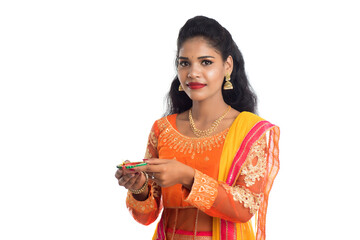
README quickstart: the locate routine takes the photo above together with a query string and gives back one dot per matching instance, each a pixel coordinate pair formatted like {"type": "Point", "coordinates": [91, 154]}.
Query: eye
{"type": "Point", "coordinates": [183, 63]}
{"type": "Point", "coordinates": [206, 62]}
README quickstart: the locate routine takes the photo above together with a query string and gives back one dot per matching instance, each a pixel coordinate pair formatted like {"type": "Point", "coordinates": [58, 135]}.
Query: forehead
{"type": "Point", "coordinates": [197, 46]}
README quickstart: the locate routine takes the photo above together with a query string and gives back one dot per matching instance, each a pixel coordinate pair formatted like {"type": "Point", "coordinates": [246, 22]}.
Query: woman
{"type": "Point", "coordinates": [211, 162]}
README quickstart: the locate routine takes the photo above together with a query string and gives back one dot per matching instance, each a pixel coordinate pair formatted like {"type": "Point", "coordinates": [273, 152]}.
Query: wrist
{"type": "Point", "coordinates": [143, 179]}
{"type": "Point", "coordinates": [142, 188]}
{"type": "Point", "coordinates": [142, 196]}
{"type": "Point", "coordinates": [188, 179]}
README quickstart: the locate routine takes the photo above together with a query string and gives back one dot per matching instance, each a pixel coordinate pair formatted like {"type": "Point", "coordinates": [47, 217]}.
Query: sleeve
{"type": "Point", "coordinates": [147, 211]}
{"type": "Point", "coordinates": [236, 203]}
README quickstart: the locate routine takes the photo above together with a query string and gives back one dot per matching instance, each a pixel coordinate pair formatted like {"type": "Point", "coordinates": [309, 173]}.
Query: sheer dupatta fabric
{"type": "Point", "coordinates": [246, 131]}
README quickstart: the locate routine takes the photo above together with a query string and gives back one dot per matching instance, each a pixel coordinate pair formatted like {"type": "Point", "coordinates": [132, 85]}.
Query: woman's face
{"type": "Point", "coordinates": [201, 70]}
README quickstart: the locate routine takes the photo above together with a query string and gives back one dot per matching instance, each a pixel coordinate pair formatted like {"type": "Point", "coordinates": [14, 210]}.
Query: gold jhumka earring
{"type": "Point", "coordinates": [181, 88]}
{"type": "Point", "coordinates": [228, 85]}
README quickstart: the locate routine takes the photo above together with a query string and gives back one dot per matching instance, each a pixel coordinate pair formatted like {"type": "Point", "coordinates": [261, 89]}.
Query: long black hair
{"type": "Point", "coordinates": [242, 97]}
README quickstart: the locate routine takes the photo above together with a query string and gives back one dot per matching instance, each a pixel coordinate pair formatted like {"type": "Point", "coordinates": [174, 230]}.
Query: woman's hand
{"type": "Point", "coordinates": [130, 179]}
{"type": "Point", "coordinates": [167, 173]}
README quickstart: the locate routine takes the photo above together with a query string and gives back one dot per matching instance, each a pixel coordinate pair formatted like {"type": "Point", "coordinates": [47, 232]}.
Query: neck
{"type": "Point", "coordinates": [208, 111]}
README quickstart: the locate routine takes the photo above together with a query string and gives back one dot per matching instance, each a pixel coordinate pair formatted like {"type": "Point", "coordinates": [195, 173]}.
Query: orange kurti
{"type": "Point", "coordinates": [192, 212]}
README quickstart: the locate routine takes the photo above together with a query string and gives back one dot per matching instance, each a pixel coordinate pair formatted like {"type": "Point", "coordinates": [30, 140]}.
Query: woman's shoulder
{"type": "Point", "coordinates": [167, 118]}
{"type": "Point", "coordinates": [246, 119]}
{"type": "Point", "coordinates": [163, 122]}
{"type": "Point", "coordinates": [249, 116]}
{"type": "Point", "coordinates": [244, 116]}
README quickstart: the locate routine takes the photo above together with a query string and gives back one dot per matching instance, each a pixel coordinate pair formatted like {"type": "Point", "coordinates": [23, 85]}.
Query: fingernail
{"type": "Point", "coordinates": [144, 160]}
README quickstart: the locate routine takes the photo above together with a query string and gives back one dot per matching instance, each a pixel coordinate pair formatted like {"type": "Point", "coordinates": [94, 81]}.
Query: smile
{"type": "Point", "coordinates": [195, 85]}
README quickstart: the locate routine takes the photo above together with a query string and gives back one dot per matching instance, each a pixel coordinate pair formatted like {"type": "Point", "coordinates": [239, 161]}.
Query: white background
{"type": "Point", "coordinates": [83, 81]}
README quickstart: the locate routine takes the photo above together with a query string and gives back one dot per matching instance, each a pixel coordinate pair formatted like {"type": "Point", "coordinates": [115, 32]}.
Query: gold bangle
{"type": "Point", "coordinates": [138, 191]}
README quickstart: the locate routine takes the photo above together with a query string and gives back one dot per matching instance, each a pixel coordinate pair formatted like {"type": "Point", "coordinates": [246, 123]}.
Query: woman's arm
{"type": "Point", "coordinates": [146, 206]}
{"type": "Point", "coordinates": [236, 203]}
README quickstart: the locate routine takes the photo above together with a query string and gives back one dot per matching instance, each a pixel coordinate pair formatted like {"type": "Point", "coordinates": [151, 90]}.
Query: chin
{"type": "Point", "coordinates": [197, 96]}
{"type": "Point", "coordinates": [200, 96]}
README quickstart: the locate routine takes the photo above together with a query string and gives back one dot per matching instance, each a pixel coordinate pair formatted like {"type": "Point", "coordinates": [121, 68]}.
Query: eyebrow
{"type": "Point", "coordinates": [202, 57]}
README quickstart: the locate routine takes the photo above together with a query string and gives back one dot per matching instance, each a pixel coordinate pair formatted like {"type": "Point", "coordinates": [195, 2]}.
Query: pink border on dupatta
{"type": "Point", "coordinates": [227, 228]}
{"type": "Point", "coordinates": [189, 233]}
{"type": "Point", "coordinates": [160, 229]}
{"type": "Point", "coordinates": [254, 134]}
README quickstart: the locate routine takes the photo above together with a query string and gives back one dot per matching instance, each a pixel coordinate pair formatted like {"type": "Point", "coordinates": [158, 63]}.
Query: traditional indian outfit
{"type": "Point", "coordinates": [234, 172]}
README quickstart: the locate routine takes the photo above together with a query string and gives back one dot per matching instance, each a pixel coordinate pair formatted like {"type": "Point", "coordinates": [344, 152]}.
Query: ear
{"type": "Point", "coordinates": [229, 63]}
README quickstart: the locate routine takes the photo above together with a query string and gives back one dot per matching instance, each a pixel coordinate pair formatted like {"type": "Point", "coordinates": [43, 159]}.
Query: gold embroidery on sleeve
{"type": "Point", "coordinates": [152, 144]}
{"type": "Point", "coordinates": [254, 171]}
{"type": "Point", "coordinates": [146, 206]}
{"type": "Point", "coordinates": [203, 192]}
{"type": "Point", "coordinates": [246, 197]}
{"type": "Point", "coordinates": [148, 154]}
{"type": "Point", "coordinates": [153, 140]}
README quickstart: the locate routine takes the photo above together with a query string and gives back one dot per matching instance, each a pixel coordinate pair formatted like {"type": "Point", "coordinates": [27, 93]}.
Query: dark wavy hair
{"type": "Point", "coordinates": [242, 97]}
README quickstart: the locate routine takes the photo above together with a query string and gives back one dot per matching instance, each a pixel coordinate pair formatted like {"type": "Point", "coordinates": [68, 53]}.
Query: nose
{"type": "Point", "coordinates": [194, 72]}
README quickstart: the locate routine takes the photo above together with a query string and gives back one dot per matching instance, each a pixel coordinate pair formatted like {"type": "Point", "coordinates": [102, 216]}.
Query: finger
{"type": "Point", "coordinates": [121, 181]}
{"type": "Point", "coordinates": [124, 179]}
{"type": "Point", "coordinates": [153, 165]}
{"type": "Point", "coordinates": [128, 171]}
{"type": "Point", "coordinates": [157, 177]}
{"type": "Point", "coordinates": [148, 168]}
{"type": "Point", "coordinates": [118, 173]}
{"type": "Point", "coordinates": [156, 161]}
{"type": "Point", "coordinates": [133, 181]}
{"type": "Point", "coordinates": [139, 178]}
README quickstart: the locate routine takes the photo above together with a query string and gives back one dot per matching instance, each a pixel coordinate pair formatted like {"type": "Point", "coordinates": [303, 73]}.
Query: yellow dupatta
{"type": "Point", "coordinates": [245, 130]}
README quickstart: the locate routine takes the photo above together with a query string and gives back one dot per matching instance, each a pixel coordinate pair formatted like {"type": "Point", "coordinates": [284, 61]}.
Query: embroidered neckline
{"type": "Point", "coordinates": [170, 136]}
{"type": "Point", "coordinates": [224, 132]}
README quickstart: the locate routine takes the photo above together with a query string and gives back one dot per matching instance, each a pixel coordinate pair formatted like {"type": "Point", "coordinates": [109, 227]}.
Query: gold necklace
{"type": "Point", "coordinates": [207, 132]}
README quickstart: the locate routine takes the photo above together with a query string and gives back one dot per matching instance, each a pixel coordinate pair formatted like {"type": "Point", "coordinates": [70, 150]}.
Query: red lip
{"type": "Point", "coordinates": [195, 85]}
